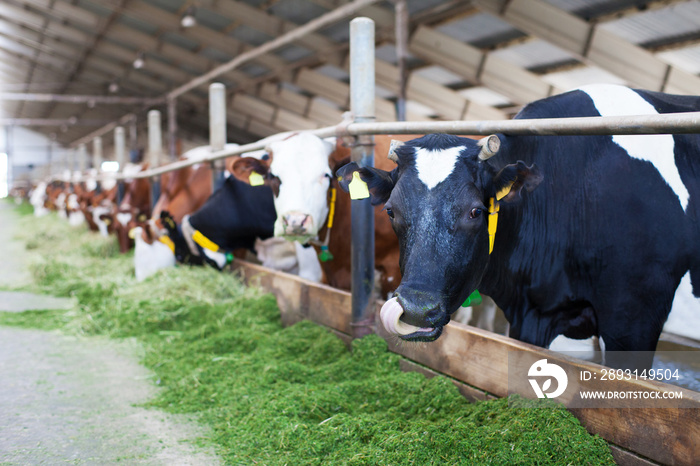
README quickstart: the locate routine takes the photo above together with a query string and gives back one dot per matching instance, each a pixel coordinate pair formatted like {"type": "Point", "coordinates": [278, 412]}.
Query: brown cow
{"type": "Point", "coordinates": [134, 209]}
{"type": "Point", "coordinates": [337, 271]}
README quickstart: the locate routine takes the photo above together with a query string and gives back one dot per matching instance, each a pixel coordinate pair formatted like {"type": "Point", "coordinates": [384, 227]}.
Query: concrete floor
{"type": "Point", "coordinates": [65, 399]}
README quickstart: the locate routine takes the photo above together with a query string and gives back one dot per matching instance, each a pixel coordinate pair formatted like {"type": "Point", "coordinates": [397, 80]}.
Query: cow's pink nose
{"type": "Point", "coordinates": [297, 223]}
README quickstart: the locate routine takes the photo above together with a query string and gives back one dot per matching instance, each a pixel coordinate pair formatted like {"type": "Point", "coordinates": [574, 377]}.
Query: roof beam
{"type": "Point", "coordinates": [446, 103]}
{"type": "Point", "coordinates": [75, 99]}
{"type": "Point", "coordinates": [309, 107]}
{"type": "Point", "coordinates": [33, 23]}
{"type": "Point", "coordinates": [339, 92]}
{"type": "Point", "coordinates": [204, 36]}
{"type": "Point", "coordinates": [50, 122]}
{"type": "Point", "coordinates": [478, 67]}
{"type": "Point", "coordinates": [262, 51]}
{"type": "Point", "coordinates": [269, 24]}
{"type": "Point", "coordinates": [271, 115]}
{"type": "Point", "coordinates": [48, 65]}
{"type": "Point", "coordinates": [64, 11]}
{"type": "Point", "coordinates": [593, 44]}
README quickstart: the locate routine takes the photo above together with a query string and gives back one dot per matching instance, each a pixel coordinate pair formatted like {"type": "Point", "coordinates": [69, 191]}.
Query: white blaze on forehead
{"type": "Point", "coordinates": [109, 183]}
{"type": "Point", "coordinates": [123, 217]}
{"type": "Point", "coordinates": [72, 201]}
{"type": "Point", "coordinates": [434, 166]}
{"type": "Point", "coordinates": [300, 162]}
{"type": "Point", "coordinates": [613, 100]}
{"type": "Point", "coordinates": [91, 182]}
{"type": "Point", "coordinates": [101, 225]}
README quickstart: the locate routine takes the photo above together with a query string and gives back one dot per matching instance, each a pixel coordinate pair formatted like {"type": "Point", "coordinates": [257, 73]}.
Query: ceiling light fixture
{"type": "Point", "coordinates": [188, 20]}
{"type": "Point", "coordinates": [140, 61]}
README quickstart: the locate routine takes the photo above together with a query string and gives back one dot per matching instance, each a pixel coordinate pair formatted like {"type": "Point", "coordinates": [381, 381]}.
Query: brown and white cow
{"type": "Point", "coordinates": [300, 169]}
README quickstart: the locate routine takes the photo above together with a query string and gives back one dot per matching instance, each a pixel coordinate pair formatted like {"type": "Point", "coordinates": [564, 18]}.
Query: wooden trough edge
{"type": "Point", "coordinates": [477, 361]}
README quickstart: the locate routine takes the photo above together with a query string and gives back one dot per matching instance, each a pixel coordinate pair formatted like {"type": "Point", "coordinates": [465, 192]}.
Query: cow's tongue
{"type": "Point", "coordinates": [390, 316]}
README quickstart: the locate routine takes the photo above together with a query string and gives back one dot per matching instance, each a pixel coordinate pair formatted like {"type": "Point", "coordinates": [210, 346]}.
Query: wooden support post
{"type": "Point", "coordinates": [362, 213]}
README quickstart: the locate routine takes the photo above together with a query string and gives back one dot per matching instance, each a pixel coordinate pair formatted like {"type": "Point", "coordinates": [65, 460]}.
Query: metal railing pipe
{"type": "Point", "coordinates": [668, 123]}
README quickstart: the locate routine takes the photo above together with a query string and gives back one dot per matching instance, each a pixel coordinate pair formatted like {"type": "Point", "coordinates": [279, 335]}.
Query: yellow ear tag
{"type": "Point", "coordinates": [256, 179]}
{"type": "Point", "coordinates": [168, 242]}
{"type": "Point", "coordinates": [503, 192]}
{"type": "Point", "coordinates": [205, 242]}
{"type": "Point", "coordinates": [357, 187]}
{"type": "Point", "coordinates": [494, 207]}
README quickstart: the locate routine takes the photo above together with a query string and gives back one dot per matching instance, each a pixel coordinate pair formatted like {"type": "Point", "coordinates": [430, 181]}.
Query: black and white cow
{"type": "Point", "coordinates": [232, 218]}
{"type": "Point", "coordinates": [594, 236]}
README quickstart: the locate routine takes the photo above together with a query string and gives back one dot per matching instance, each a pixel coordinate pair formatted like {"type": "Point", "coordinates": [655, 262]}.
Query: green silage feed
{"type": "Point", "coordinates": [272, 395]}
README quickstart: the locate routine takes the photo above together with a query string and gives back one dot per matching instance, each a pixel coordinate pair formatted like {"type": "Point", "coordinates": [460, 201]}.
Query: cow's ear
{"type": "Point", "coordinates": [512, 179]}
{"type": "Point", "coordinates": [249, 170]}
{"type": "Point", "coordinates": [379, 182]}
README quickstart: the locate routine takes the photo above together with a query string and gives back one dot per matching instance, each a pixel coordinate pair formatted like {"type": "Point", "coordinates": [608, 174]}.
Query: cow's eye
{"type": "Point", "coordinates": [475, 212]}
{"type": "Point", "coordinates": [390, 212]}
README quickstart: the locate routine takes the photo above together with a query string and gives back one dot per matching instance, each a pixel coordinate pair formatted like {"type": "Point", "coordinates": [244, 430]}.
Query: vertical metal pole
{"type": "Point", "coordinates": [133, 136]}
{"type": "Point", "coordinates": [70, 161]}
{"type": "Point", "coordinates": [362, 108]}
{"type": "Point", "coordinates": [155, 149]}
{"type": "Point", "coordinates": [9, 150]}
{"type": "Point", "coordinates": [64, 165]}
{"type": "Point", "coordinates": [401, 37]}
{"type": "Point", "coordinates": [97, 159]}
{"type": "Point", "coordinates": [51, 165]}
{"type": "Point", "coordinates": [120, 155]}
{"type": "Point", "coordinates": [172, 129]}
{"type": "Point", "coordinates": [217, 130]}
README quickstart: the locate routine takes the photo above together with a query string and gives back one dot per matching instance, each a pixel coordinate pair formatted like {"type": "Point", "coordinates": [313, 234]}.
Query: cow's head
{"type": "Point", "coordinates": [298, 171]}
{"type": "Point", "coordinates": [438, 200]}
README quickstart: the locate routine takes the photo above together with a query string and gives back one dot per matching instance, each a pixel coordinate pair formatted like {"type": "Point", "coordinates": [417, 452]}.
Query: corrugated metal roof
{"type": "Point", "coordinates": [534, 54]}
{"type": "Point", "coordinates": [675, 21]}
{"type": "Point", "coordinates": [83, 46]}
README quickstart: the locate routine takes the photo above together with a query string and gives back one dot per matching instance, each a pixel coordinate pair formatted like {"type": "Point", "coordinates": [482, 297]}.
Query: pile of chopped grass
{"type": "Point", "coordinates": [275, 395]}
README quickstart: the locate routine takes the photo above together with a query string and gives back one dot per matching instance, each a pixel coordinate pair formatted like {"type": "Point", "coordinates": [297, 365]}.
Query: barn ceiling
{"type": "Point", "coordinates": [479, 59]}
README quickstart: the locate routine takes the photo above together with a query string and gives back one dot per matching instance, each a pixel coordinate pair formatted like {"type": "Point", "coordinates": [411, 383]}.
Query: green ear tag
{"type": "Point", "coordinates": [229, 257]}
{"type": "Point", "coordinates": [474, 299]}
{"type": "Point", "coordinates": [325, 255]}
{"type": "Point", "coordinates": [256, 179]}
{"type": "Point", "coordinates": [357, 187]}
